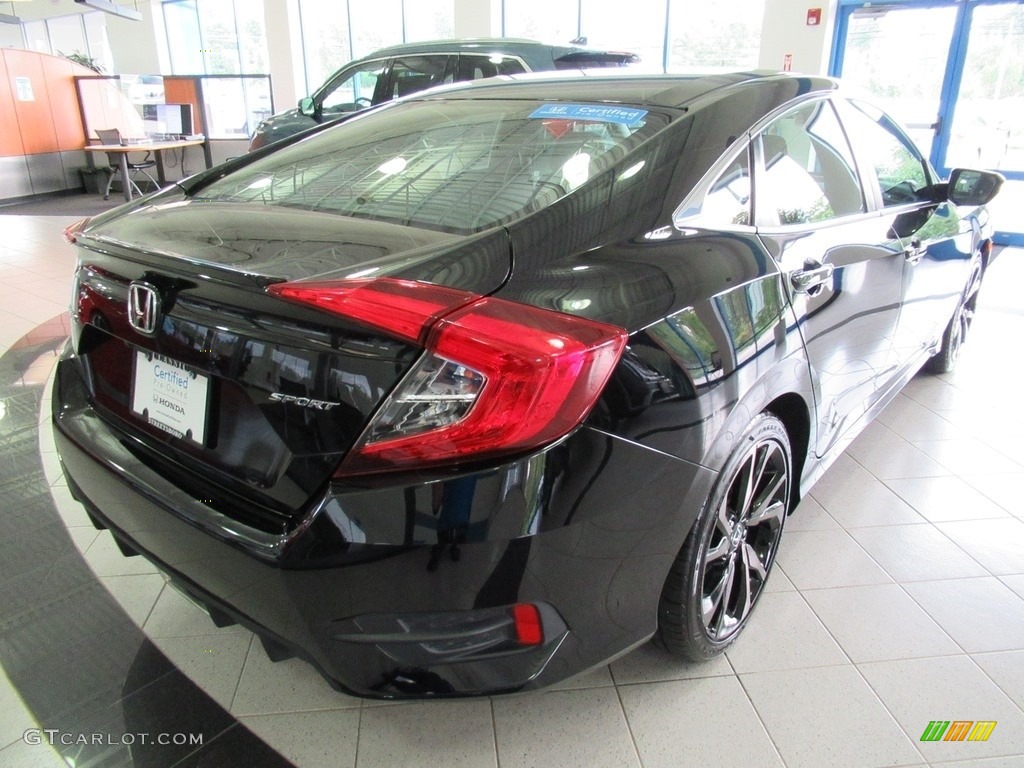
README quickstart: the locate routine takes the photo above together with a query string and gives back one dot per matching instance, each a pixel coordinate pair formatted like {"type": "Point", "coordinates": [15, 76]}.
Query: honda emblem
{"type": "Point", "coordinates": [143, 308]}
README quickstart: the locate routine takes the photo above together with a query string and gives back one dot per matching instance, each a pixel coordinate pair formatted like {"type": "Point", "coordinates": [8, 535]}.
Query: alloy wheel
{"type": "Point", "coordinates": [744, 539]}
{"type": "Point", "coordinates": [964, 317]}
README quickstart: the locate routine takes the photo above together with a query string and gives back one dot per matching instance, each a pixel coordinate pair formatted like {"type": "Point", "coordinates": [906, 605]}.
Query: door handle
{"type": "Point", "coordinates": [913, 252]}
{"type": "Point", "coordinates": [813, 275]}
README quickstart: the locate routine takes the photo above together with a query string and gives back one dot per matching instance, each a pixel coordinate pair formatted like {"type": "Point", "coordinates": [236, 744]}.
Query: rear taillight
{"type": "Point", "coordinates": [497, 377]}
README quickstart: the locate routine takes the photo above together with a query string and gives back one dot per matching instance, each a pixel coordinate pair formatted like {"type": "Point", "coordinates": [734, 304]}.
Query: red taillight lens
{"type": "Point", "coordinates": [403, 308]}
{"type": "Point", "coordinates": [529, 630]}
{"type": "Point", "coordinates": [498, 378]}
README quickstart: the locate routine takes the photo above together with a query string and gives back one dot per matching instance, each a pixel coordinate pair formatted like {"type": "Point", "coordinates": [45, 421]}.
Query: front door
{"type": "Point", "coordinates": [937, 245]}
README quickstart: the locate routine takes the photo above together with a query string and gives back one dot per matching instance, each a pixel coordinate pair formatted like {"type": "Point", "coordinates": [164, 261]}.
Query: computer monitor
{"type": "Point", "coordinates": [168, 119]}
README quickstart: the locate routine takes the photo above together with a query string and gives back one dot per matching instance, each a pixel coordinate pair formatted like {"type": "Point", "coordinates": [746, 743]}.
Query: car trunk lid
{"type": "Point", "coordinates": [247, 400]}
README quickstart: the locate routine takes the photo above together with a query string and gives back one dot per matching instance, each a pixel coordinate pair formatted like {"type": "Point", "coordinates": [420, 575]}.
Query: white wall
{"type": "Point", "coordinates": [785, 31]}
{"type": "Point", "coordinates": [10, 36]}
{"type": "Point", "coordinates": [284, 47]}
{"type": "Point", "coordinates": [477, 18]}
{"type": "Point", "coordinates": [132, 43]}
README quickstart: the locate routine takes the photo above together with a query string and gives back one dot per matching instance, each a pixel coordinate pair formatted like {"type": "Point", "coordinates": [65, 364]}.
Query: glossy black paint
{"type": "Point", "coordinates": [537, 529]}
{"type": "Point", "coordinates": [588, 527]}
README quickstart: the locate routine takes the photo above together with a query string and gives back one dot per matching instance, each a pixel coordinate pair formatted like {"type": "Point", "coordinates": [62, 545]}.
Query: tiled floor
{"type": "Point", "coordinates": [898, 599]}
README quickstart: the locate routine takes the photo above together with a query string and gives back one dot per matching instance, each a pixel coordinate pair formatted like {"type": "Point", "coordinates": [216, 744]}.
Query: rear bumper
{"type": "Point", "coordinates": [586, 531]}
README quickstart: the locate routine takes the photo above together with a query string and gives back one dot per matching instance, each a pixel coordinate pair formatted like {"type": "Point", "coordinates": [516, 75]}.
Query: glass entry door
{"type": "Point", "coordinates": [953, 73]}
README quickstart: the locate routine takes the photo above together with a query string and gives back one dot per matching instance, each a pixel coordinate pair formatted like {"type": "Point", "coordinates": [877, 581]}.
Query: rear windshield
{"type": "Point", "coordinates": [454, 166]}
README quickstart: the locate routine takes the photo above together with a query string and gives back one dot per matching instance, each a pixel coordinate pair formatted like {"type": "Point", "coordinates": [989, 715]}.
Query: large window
{"type": "Point", "coordinates": [724, 35]}
{"type": "Point", "coordinates": [84, 34]}
{"type": "Point", "coordinates": [641, 31]}
{"type": "Point", "coordinates": [669, 35]}
{"type": "Point", "coordinates": [334, 34]}
{"type": "Point", "coordinates": [550, 21]}
{"type": "Point", "coordinates": [216, 37]}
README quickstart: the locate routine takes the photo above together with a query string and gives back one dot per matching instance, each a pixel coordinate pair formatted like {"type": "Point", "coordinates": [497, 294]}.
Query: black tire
{"type": "Point", "coordinates": [955, 335]}
{"type": "Point", "coordinates": [704, 606]}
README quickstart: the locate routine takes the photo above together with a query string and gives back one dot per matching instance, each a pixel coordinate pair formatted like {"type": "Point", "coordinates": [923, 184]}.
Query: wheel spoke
{"type": "Point", "coordinates": [747, 558]}
{"type": "Point", "coordinates": [762, 467]}
{"type": "Point", "coordinates": [752, 561]}
{"type": "Point", "coordinates": [727, 585]}
{"type": "Point", "coordinates": [725, 525]}
{"type": "Point", "coordinates": [769, 507]}
{"type": "Point", "coordinates": [713, 600]}
{"type": "Point", "coordinates": [747, 483]}
{"type": "Point", "coordinates": [720, 550]}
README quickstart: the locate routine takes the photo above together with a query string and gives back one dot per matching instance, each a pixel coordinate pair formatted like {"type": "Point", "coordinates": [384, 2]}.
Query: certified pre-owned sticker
{"type": "Point", "coordinates": [603, 113]}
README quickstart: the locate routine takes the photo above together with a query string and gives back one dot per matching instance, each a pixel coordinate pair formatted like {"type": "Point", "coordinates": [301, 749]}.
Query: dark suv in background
{"type": "Point", "coordinates": [403, 69]}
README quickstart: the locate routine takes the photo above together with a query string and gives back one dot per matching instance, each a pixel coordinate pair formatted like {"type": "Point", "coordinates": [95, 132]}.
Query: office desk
{"type": "Point", "coordinates": [157, 147]}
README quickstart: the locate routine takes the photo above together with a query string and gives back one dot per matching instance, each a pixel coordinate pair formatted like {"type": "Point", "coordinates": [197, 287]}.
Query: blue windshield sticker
{"type": "Point", "coordinates": [599, 112]}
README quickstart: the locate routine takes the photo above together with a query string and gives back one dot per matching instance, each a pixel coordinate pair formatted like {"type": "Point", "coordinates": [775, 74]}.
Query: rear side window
{"type": "Point", "coordinates": [901, 170]}
{"type": "Point", "coordinates": [727, 201]}
{"type": "Point", "coordinates": [475, 67]}
{"type": "Point", "coordinates": [808, 169]}
{"type": "Point", "coordinates": [412, 74]}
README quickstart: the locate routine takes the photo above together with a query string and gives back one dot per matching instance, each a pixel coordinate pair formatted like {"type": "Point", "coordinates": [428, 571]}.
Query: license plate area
{"type": "Point", "coordinates": [170, 396]}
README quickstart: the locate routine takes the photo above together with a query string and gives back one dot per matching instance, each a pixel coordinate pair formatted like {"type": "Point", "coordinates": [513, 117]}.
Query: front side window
{"type": "Point", "coordinates": [352, 90]}
{"type": "Point", "coordinates": [901, 171]}
{"type": "Point", "coordinates": [808, 171]}
{"type": "Point", "coordinates": [455, 166]}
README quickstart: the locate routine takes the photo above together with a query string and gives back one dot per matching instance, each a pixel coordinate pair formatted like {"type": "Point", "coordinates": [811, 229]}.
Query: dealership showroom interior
{"type": "Point", "coordinates": [511, 383]}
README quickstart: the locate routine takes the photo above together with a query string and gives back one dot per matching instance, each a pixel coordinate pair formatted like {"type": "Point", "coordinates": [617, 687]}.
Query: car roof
{"type": "Point", "coordinates": [671, 91]}
{"type": "Point", "coordinates": [487, 44]}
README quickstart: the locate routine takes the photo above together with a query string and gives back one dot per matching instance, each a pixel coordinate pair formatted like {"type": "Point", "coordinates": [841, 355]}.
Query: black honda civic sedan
{"type": "Point", "coordinates": [481, 389]}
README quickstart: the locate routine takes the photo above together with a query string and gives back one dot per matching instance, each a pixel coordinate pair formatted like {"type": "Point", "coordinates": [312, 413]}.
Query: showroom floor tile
{"type": "Point", "coordinates": [898, 599]}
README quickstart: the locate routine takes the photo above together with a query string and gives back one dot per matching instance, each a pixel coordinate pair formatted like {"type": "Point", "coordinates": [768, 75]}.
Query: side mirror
{"type": "Point", "coordinates": [307, 107]}
{"type": "Point", "coordinates": [970, 187]}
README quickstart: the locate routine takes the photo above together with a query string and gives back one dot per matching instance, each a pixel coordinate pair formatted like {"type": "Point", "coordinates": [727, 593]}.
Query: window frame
{"type": "Point", "coordinates": [759, 169]}
{"type": "Point", "coordinates": [689, 215]}
{"type": "Point", "coordinates": [846, 105]}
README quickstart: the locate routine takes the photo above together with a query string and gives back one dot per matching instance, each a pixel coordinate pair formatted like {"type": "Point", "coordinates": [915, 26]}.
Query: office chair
{"type": "Point", "coordinates": [113, 136]}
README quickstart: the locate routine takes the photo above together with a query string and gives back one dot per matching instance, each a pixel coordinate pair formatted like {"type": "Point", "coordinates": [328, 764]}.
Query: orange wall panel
{"type": "Point", "coordinates": [35, 120]}
{"type": "Point", "coordinates": [182, 90]}
{"type": "Point", "coordinates": [67, 120]}
{"type": "Point", "coordinates": [10, 136]}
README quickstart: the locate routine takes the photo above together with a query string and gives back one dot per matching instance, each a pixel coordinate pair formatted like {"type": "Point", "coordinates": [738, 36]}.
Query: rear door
{"type": "Point", "coordinates": [843, 267]}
